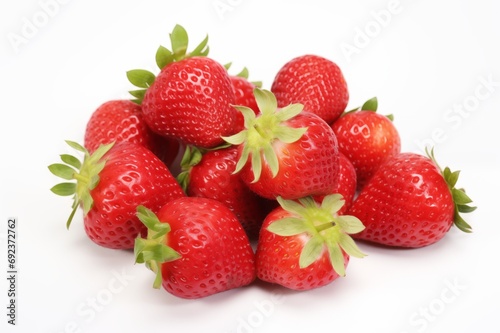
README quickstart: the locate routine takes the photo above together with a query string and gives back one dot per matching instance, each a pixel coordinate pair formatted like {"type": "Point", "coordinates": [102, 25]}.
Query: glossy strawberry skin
{"type": "Point", "coordinates": [308, 166]}
{"type": "Point", "coordinates": [314, 81]}
{"type": "Point", "coordinates": [132, 176]}
{"type": "Point", "coordinates": [190, 100]}
{"type": "Point", "coordinates": [122, 120]}
{"type": "Point", "coordinates": [367, 139]}
{"type": "Point", "coordinates": [346, 183]}
{"type": "Point", "coordinates": [213, 178]}
{"type": "Point", "coordinates": [407, 203]}
{"type": "Point", "coordinates": [277, 259]}
{"type": "Point", "coordinates": [215, 252]}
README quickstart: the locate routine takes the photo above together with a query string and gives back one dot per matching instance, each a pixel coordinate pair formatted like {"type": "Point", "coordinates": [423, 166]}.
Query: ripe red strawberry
{"type": "Point", "coordinates": [346, 183]}
{"type": "Point", "coordinates": [191, 97]}
{"type": "Point", "coordinates": [304, 245]}
{"type": "Point", "coordinates": [196, 247]}
{"type": "Point", "coordinates": [109, 185]}
{"type": "Point", "coordinates": [285, 152]}
{"type": "Point", "coordinates": [122, 120]}
{"type": "Point", "coordinates": [211, 175]}
{"type": "Point", "coordinates": [410, 202]}
{"type": "Point", "coordinates": [315, 82]}
{"type": "Point", "coordinates": [367, 139]}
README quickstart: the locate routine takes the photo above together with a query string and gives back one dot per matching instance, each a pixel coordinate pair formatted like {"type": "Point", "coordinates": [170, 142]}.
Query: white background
{"type": "Point", "coordinates": [429, 63]}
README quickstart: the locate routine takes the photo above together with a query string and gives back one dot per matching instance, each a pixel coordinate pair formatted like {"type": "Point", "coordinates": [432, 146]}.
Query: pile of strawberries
{"type": "Point", "coordinates": [200, 165]}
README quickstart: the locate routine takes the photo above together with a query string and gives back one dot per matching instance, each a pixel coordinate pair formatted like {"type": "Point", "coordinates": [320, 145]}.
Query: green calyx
{"type": "Point", "coordinates": [262, 131]}
{"type": "Point", "coordinates": [192, 156]}
{"type": "Point", "coordinates": [86, 175]}
{"type": "Point", "coordinates": [324, 226]}
{"type": "Point", "coordinates": [179, 40]}
{"type": "Point", "coordinates": [369, 105]}
{"type": "Point", "coordinates": [460, 199]}
{"type": "Point", "coordinates": [152, 250]}
{"type": "Point", "coordinates": [244, 73]}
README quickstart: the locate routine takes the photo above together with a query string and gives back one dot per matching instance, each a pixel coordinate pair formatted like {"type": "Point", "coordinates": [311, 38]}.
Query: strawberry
{"type": "Point", "coordinates": [196, 247]}
{"type": "Point", "coordinates": [315, 82]}
{"type": "Point", "coordinates": [411, 202]}
{"type": "Point", "coordinates": [110, 184]}
{"type": "Point", "coordinates": [304, 245]}
{"type": "Point", "coordinates": [367, 139]}
{"type": "Point", "coordinates": [346, 184]}
{"type": "Point", "coordinates": [122, 120]}
{"type": "Point", "coordinates": [243, 93]}
{"type": "Point", "coordinates": [190, 99]}
{"type": "Point", "coordinates": [210, 175]}
{"type": "Point", "coordinates": [285, 152]}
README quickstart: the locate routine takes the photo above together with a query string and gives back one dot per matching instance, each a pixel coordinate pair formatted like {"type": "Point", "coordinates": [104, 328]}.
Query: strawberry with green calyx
{"type": "Point", "coordinates": [109, 184]}
{"type": "Point", "coordinates": [190, 99]}
{"type": "Point", "coordinates": [411, 202]}
{"type": "Point", "coordinates": [367, 138]}
{"type": "Point", "coordinates": [196, 247]}
{"type": "Point", "coordinates": [305, 245]}
{"type": "Point", "coordinates": [284, 151]}
{"type": "Point", "coordinates": [210, 174]}
{"type": "Point", "coordinates": [179, 39]}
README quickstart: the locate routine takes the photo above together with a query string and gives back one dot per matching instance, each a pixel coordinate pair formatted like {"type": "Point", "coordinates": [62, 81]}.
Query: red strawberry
{"type": "Point", "coordinates": [304, 245]}
{"type": "Point", "coordinates": [367, 139]}
{"type": "Point", "coordinates": [110, 184]}
{"type": "Point", "coordinates": [346, 183]}
{"type": "Point", "coordinates": [191, 97]}
{"type": "Point", "coordinates": [285, 152]}
{"type": "Point", "coordinates": [243, 90]}
{"type": "Point", "coordinates": [314, 81]}
{"type": "Point", "coordinates": [122, 120]}
{"type": "Point", "coordinates": [196, 247]}
{"type": "Point", "coordinates": [410, 202]}
{"type": "Point", "coordinates": [211, 175]}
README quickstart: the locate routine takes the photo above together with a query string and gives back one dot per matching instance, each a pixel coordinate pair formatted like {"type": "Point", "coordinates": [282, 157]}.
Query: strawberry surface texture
{"type": "Point", "coordinates": [215, 181]}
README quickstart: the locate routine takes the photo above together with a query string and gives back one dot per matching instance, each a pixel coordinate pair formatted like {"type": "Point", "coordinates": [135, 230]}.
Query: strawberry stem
{"type": "Point", "coordinates": [324, 226]}
{"type": "Point", "coordinates": [82, 179]}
